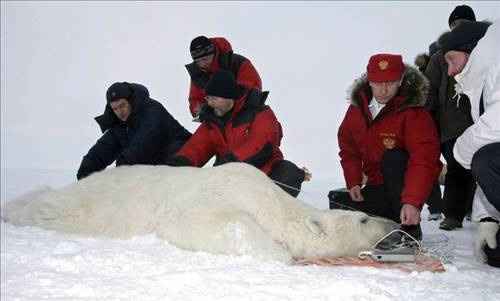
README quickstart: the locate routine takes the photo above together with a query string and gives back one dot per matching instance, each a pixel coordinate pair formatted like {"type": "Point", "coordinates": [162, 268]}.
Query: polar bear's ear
{"type": "Point", "coordinates": [314, 225]}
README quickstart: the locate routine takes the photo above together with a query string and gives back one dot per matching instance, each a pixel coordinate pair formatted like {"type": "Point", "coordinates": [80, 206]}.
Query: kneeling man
{"type": "Point", "coordinates": [390, 137]}
{"type": "Point", "coordinates": [237, 126]}
{"type": "Point", "coordinates": [137, 130]}
{"type": "Point", "coordinates": [473, 56]}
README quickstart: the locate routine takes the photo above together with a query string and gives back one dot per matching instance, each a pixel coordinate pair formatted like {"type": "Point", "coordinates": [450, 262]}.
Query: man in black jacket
{"type": "Point", "coordinates": [137, 130]}
{"type": "Point", "coordinates": [452, 115]}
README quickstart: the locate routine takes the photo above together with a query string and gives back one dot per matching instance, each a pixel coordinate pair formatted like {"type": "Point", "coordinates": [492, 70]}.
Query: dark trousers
{"type": "Point", "coordinates": [459, 185]}
{"type": "Point", "coordinates": [380, 200]}
{"type": "Point", "coordinates": [435, 202]}
{"type": "Point", "coordinates": [493, 255]}
{"type": "Point", "coordinates": [485, 167]}
{"type": "Point", "coordinates": [287, 173]}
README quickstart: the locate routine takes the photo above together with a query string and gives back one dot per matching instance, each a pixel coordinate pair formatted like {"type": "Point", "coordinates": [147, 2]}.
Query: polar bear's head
{"type": "Point", "coordinates": [337, 233]}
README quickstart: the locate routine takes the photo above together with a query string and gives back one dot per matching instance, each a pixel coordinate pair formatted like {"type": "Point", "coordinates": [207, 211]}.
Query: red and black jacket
{"type": "Point", "coordinates": [242, 69]}
{"type": "Point", "coordinates": [248, 133]}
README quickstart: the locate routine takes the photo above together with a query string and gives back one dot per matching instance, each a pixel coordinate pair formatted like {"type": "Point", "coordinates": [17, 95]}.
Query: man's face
{"type": "Point", "coordinates": [122, 108]}
{"type": "Point", "coordinates": [385, 91]}
{"type": "Point", "coordinates": [456, 61]}
{"type": "Point", "coordinates": [220, 105]}
{"type": "Point", "coordinates": [205, 62]}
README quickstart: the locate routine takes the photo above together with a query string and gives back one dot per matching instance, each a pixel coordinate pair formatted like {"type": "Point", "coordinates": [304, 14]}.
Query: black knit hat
{"type": "Point", "coordinates": [223, 84]}
{"type": "Point", "coordinates": [465, 37]}
{"type": "Point", "coordinates": [117, 91]}
{"type": "Point", "coordinates": [201, 46]}
{"type": "Point", "coordinates": [462, 12]}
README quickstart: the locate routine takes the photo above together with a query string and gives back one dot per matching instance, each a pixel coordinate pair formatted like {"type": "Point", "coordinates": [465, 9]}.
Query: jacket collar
{"type": "Point", "coordinates": [413, 90]}
{"type": "Point", "coordinates": [249, 98]}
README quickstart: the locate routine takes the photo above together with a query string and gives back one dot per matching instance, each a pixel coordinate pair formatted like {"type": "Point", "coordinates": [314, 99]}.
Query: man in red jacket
{"type": "Point", "coordinates": [210, 55]}
{"type": "Point", "coordinates": [390, 137]}
{"type": "Point", "coordinates": [237, 126]}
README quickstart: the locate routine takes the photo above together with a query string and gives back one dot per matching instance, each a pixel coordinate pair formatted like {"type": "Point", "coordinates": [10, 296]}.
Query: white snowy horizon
{"type": "Point", "coordinates": [59, 57]}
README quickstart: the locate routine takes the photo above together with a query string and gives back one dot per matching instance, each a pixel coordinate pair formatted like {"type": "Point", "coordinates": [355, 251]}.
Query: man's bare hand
{"type": "Point", "coordinates": [410, 215]}
{"type": "Point", "coordinates": [307, 174]}
{"type": "Point", "coordinates": [355, 193]}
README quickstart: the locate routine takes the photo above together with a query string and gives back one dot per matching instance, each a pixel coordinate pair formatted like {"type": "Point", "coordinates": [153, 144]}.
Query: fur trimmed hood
{"type": "Point", "coordinates": [421, 61]}
{"type": "Point", "coordinates": [414, 89]}
{"type": "Point", "coordinates": [442, 38]}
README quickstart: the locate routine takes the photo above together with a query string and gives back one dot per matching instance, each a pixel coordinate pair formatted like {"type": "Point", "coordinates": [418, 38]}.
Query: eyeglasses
{"type": "Point", "coordinates": [210, 98]}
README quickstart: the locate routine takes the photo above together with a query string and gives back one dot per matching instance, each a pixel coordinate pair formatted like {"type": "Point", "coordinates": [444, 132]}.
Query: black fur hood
{"type": "Point", "coordinates": [414, 89]}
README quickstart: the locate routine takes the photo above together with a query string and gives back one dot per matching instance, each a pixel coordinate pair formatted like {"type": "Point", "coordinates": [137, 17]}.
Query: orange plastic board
{"type": "Point", "coordinates": [422, 264]}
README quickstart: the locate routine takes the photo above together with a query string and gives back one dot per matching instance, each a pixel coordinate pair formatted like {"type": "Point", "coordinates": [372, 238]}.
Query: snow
{"type": "Point", "coordinates": [45, 265]}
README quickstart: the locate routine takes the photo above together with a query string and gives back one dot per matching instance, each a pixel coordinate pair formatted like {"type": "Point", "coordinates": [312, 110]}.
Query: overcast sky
{"type": "Point", "coordinates": [58, 59]}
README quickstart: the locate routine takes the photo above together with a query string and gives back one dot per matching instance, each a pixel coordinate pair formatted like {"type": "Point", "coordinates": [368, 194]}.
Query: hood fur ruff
{"type": "Point", "coordinates": [414, 89]}
{"type": "Point", "coordinates": [421, 60]}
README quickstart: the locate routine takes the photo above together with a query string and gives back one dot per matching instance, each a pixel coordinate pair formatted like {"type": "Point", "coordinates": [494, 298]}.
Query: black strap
{"type": "Point", "coordinates": [488, 219]}
{"type": "Point", "coordinates": [227, 60]}
{"type": "Point", "coordinates": [481, 105]}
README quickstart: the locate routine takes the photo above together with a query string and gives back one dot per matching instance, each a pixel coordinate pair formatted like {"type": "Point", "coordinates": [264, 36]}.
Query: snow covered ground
{"type": "Point", "coordinates": [45, 265]}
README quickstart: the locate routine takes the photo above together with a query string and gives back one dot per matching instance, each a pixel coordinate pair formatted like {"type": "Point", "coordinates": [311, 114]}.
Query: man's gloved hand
{"type": "Point", "coordinates": [204, 112]}
{"type": "Point", "coordinates": [120, 160]}
{"type": "Point", "coordinates": [486, 235]}
{"type": "Point", "coordinates": [179, 161]}
{"type": "Point", "coordinates": [230, 157]}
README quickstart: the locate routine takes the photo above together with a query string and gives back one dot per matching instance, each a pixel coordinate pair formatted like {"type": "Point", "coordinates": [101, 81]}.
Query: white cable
{"type": "Point", "coordinates": [402, 245]}
{"type": "Point", "coordinates": [288, 186]}
{"type": "Point", "coordinates": [440, 248]}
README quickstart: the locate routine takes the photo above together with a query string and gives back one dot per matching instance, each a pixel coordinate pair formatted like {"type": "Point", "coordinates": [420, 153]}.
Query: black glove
{"type": "Point", "coordinates": [86, 168]}
{"type": "Point", "coordinates": [205, 112]}
{"type": "Point", "coordinates": [121, 160]}
{"type": "Point", "coordinates": [82, 173]}
{"type": "Point", "coordinates": [179, 161]}
{"type": "Point", "coordinates": [230, 157]}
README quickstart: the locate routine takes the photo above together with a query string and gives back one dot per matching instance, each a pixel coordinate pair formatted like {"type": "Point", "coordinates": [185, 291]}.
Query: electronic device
{"type": "Point", "coordinates": [395, 255]}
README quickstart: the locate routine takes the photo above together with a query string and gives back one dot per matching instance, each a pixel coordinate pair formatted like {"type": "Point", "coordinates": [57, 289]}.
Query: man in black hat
{"type": "Point", "coordinates": [472, 52]}
{"type": "Point", "coordinates": [237, 126]}
{"type": "Point", "coordinates": [137, 130]}
{"type": "Point", "coordinates": [461, 14]}
{"type": "Point", "coordinates": [210, 55]}
{"type": "Point", "coordinates": [451, 119]}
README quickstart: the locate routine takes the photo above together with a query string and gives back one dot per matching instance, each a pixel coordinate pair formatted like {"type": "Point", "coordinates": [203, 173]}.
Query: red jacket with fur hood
{"type": "Point", "coordinates": [242, 69]}
{"type": "Point", "coordinates": [248, 133]}
{"type": "Point", "coordinates": [402, 124]}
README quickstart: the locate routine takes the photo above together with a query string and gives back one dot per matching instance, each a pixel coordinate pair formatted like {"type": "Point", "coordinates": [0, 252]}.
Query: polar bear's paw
{"type": "Point", "coordinates": [245, 237]}
{"type": "Point", "coordinates": [223, 231]}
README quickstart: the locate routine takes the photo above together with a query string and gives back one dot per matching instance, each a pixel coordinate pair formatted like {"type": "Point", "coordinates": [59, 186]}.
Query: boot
{"type": "Point", "coordinates": [449, 223]}
{"type": "Point", "coordinates": [434, 216]}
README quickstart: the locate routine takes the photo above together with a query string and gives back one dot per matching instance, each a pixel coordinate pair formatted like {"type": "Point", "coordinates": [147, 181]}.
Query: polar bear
{"type": "Point", "coordinates": [232, 209]}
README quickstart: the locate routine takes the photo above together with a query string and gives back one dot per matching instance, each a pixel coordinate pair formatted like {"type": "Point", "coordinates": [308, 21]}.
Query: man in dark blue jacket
{"type": "Point", "coordinates": [137, 130]}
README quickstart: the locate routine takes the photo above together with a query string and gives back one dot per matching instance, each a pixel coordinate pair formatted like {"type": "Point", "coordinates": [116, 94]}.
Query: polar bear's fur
{"type": "Point", "coordinates": [231, 209]}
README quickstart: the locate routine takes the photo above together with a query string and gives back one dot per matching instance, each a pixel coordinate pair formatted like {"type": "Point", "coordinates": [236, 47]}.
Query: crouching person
{"type": "Point", "coordinates": [390, 137]}
{"type": "Point", "coordinates": [472, 52]}
{"type": "Point", "coordinates": [137, 130]}
{"type": "Point", "coordinates": [237, 126]}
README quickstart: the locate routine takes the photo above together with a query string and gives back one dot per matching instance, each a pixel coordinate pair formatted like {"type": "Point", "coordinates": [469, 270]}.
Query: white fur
{"type": "Point", "coordinates": [231, 209]}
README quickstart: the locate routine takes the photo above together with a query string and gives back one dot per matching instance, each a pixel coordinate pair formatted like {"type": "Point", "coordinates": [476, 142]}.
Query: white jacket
{"type": "Point", "coordinates": [481, 74]}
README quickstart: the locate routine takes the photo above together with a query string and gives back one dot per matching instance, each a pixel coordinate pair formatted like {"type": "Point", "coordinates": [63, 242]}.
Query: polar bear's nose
{"type": "Point", "coordinates": [390, 241]}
